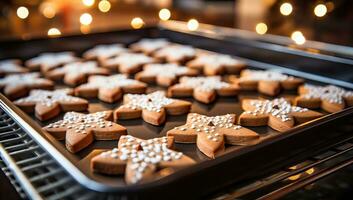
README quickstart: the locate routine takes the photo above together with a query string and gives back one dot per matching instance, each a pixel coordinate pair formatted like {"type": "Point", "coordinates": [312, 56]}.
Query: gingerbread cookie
{"type": "Point", "coordinates": [214, 64]}
{"type": "Point", "coordinates": [278, 114]}
{"type": "Point", "coordinates": [175, 53]}
{"type": "Point", "coordinates": [48, 104]}
{"type": "Point", "coordinates": [18, 85]}
{"type": "Point", "coordinates": [330, 98]}
{"type": "Point", "coordinates": [140, 159]}
{"type": "Point", "coordinates": [266, 82]}
{"type": "Point", "coordinates": [79, 130]}
{"type": "Point", "coordinates": [164, 74]}
{"type": "Point", "coordinates": [211, 133]}
{"type": "Point", "coordinates": [104, 51]}
{"type": "Point", "coordinates": [148, 46]}
{"type": "Point", "coordinates": [48, 61]}
{"type": "Point", "coordinates": [110, 88]}
{"type": "Point", "coordinates": [203, 89]}
{"type": "Point", "coordinates": [77, 72]}
{"type": "Point", "coordinates": [152, 107]}
{"type": "Point", "coordinates": [11, 66]}
{"type": "Point", "coordinates": [128, 63]}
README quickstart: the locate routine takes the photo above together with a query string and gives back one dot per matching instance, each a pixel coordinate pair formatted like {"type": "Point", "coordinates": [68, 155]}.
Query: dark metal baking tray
{"type": "Point", "coordinates": [237, 163]}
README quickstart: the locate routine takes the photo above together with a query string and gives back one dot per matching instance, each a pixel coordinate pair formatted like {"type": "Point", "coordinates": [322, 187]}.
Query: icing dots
{"type": "Point", "coordinates": [258, 75]}
{"type": "Point", "coordinates": [279, 108]}
{"type": "Point", "coordinates": [202, 83]}
{"type": "Point", "coordinates": [114, 81]}
{"type": "Point", "coordinates": [105, 51]}
{"type": "Point", "coordinates": [166, 70]}
{"type": "Point", "coordinates": [151, 102]}
{"type": "Point", "coordinates": [329, 93]}
{"type": "Point", "coordinates": [129, 60]}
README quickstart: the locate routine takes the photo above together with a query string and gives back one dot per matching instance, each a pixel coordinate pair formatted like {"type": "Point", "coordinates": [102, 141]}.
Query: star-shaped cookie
{"type": "Point", "coordinates": [104, 51]}
{"type": "Point", "coordinates": [212, 133]}
{"type": "Point", "coordinates": [11, 66]}
{"type": "Point", "coordinates": [152, 107]}
{"type": "Point", "coordinates": [110, 88]}
{"type": "Point", "coordinates": [203, 89]}
{"type": "Point", "coordinates": [128, 63]}
{"type": "Point", "coordinates": [148, 45]}
{"type": "Point", "coordinates": [266, 82]}
{"type": "Point", "coordinates": [77, 72]}
{"type": "Point", "coordinates": [278, 114]}
{"type": "Point", "coordinates": [48, 104]}
{"type": "Point", "coordinates": [330, 98]}
{"type": "Point", "coordinates": [140, 160]}
{"type": "Point", "coordinates": [18, 85]}
{"type": "Point", "coordinates": [80, 130]}
{"type": "Point", "coordinates": [175, 53]}
{"type": "Point", "coordinates": [164, 74]}
{"type": "Point", "coordinates": [48, 61]}
{"type": "Point", "coordinates": [215, 64]}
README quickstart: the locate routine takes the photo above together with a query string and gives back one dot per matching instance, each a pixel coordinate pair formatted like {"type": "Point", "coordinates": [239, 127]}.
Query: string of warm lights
{"type": "Point", "coordinates": [286, 8]}
{"type": "Point", "coordinates": [48, 10]}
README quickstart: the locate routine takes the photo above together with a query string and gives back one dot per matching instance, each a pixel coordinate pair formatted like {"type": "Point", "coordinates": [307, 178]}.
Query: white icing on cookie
{"type": "Point", "coordinates": [331, 93]}
{"type": "Point", "coordinates": [150, 45]}
{"type": "Point", "coordinates": [104, 51]}
{"type": "Point", "coordinates": [153, 152]}
{"type": "Point", "coordinates": [114, 81]}
{"type": "Point", "coordinates": [258, 75]}
{"type": "Point", "coordinates": [208, 125]}
{"type": "Point", "coordinates": [216, 60]}
{"type": "Point", "coordinates": [78, 68]}
{"type": "Point", "coordinates": [129, 60]}
{"type": "Point", "coordinates": [23, 79]}
{"type": "Point", "coordinates": [80, 122]}
{"type": "Point", "coordinates": [176, 52]}
{"type": "Point", "coordinates": [279, 108]}
{"type": "Point", "coordinates": [49, 98]}
{"type": "Point", "coordinates": [151, 102]}
{"type": "Point", "coordinates": [11, 66]}
{"type": "Point", "coordinates": [166, 70]}
{"type": "Point", "coordinates": [202, 83]}
{"type": "Point", "coordinates": [52, 60]}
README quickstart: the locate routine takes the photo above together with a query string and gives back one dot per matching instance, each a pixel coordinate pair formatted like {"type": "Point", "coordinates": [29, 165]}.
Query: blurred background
{"type": "Point", "coordinates": [327, 21]}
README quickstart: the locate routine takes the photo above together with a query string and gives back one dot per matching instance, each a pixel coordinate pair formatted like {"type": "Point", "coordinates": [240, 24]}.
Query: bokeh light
{"type": "Point", "coordinates": [86, 19]}
{"type": "Point", "coordinates": [22, 12]}
{"type": "Point", "coordinates": [137, 23]}
{"type": "Point", "coordinates": [320, 10]}
{"type": "Point", "coordinates": [261, 28]}
{"type": "Point", "coordinates": [54, 32]}
{"type": "Point", "coordinates": [88, 3]}
{"type": "Point", "coordinates": [164, 14]}
{"type": "Point", "coordinates": [298, 37]}
{"type": "Point", "coordinates": [104, 6]}
{"type": "Point", "coordinates": [193, 24]}
{"type": "Point", "coordinates": [286, 9]}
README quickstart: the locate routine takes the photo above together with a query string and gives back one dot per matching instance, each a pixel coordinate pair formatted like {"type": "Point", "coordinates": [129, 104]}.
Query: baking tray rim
{"type": "Point", "coordinates": [35, 131]}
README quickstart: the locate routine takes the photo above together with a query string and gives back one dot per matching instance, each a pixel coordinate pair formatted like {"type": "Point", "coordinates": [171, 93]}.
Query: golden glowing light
{"type": "Point", "coordinates": [330, 6]}
{"type": "Point", "coordinates": [47, 9]}
{"type": "Point", "coordinates": [261, 28]}
{"type": "Point", "coordinates": [104, 6]}
{"type": "Point", "coordinates": [310, 171]}
{"type": "Point", "coordinates": [286, 9]}
{"type": "Point", "coordinates": [86, 19]}
{"type": "Point", "coordinates": [88, 3]}
{"type": "Point", "coordinates": [298, 37]}
{"type": "Point", "coordinates": [193, 24]}
{"type": "Point", "coordinates": [294, 177]}
{"type": "Point", "coordinates": [85, 29]}
{"type": "Point", "coordinates": [54, 32]}
{"type": "Point", "coordinates": [320, 10]}
{"type": "Point", "coordinates": [22, 12]}
{"type": "Point", "coordinates": [164, 14]}
{"type": "Point", "coordinates": [137, 23]}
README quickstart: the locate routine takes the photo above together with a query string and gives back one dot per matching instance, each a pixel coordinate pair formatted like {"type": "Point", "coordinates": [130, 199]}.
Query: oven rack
{"type": "Point", "coordinates": [36, 175]}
